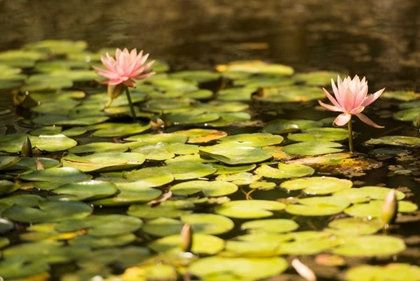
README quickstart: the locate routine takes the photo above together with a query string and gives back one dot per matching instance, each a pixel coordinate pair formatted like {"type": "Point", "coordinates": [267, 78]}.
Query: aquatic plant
{"type": "Point", "coordinates": [351, 98]}
{"type": "Point", "coordinates": [121, 72]}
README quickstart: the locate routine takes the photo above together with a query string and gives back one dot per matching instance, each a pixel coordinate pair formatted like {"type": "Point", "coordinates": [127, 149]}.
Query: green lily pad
{"type": "Point", "coordinates": [45, 82]}
{"type": "Point", "coordinates": [198, 76]}
{"type": "Point", "coordinates": [312, 246]}
{"type": "Point", "coordinates": [284, 171]}
{"type": "Point", "coordinates": [253, 249]}
{"type": "Point", "coordinates": [289, 94]}
{"type": "Point", "coordinates": [401, 95]}
{"type": "Point", "coordinates": [201, 135]}
{"type": "Point", "coordinates": [12, 143]}
{"type": "Point", "coordinates": [67, 121]}
{"type": "Point", "coordinates": [239, 119]}
{"type": "Point", "coordinates": [208, 188]}
{"type": "Point", "coordinates": [99, 147]}
{"type": "Point", "coordinates": [249, 209]}
{"type": "Point", "coordinates": [53, 143]}
{"type": "Point", "coordinates": [120, 130]}
{"type": "Point", "coordinates": [5, 226]}
{"type": "Point", "coordinates": [241, 268]}
{"type": "Point", "coordinates": [102, 225]}
{"type": "Point", "coordinates": [390, 272]}
{"type": "Point", "coordinates": [355, 226]}
{"type": "Point", "coordinates": [57, 47]}
{"type": "Point", "coordinates": [317, 185]}
{"type": "Point", "coordinates": [312, 148]}
{"type": "Point", "coordinates": [49, 211]}
{"type": "Point", "coordinates": [263, 81]}
{"type": "Point", "coordinates": [254, 140]}
{"type": "Point", "coordinates": [48, 130]}
{"type": "Point", "coordinates": [257, 67]}
{"type": "Point", "coordinates": [223, 169]}
{"type": "Point", "coordinates": [169, 209]}
{"type": "Point", "coordinates": [271, 225]}
{"type": "Point", "coordinates": [320, 135]}
{"type": "Point", "coordinates": [194, 116]}
{"type": "Point", "coordinates": [241, 178]}
{"type": "Point", "coordinates": [150, 177]}
{"type": "Point", "coordinates": [318, 206]}
{"type": "Point", "coordinates": [95, 242]}
{"type": "Point", "coordinates": [54, 108]}
{"type": "Point", "coordinates": [163, 226]}
{"type": "Point", "coordinates": [129, 193]}
{"type": "Point", "coordinates": [409, 114]}
{"type": "Point", "coordinates": [202, 244]}
{"type": "Point", "coordinates": [8, 161]}
{"type": "Point", "coordinates": [235, 154]}
{"type": "Point", "coordinates": [189, 170]}
{"type": "Point", "coordinates": [370, 246]}
{"type": "Point", "coordinates": [281, 126]}
{"type": "Point", "coordinates": [373, 208]}
{"type": "Point", "coordinates": [236, 94]}
{"type": "Point", "coordinates": [104, 161]}
{"type": "Point", "coordinates": [86, 190]}
{"type": "Point", "coordinates": [21, 58]}
{"type": "Point", "coordinates": [8, 187]}
{"type": "Point", "coordinates": [366, 193]}
{"type": "Point", "coordinates": [61, 175]}
{"type": "Point", "coordinates": [208, 223]}
{"type": "Point", "coordinates": [164, 151]}
{"type": "Point", "coordinates": [26, 200]}
{"type": "Point", "coordinates": [405, 141]}
{"type": "Point", "coordinates": [180, 85]}
{"type": "Point", "coordinates": [317, 78]}
{"type": "Point", "coordinates": [158, 138]}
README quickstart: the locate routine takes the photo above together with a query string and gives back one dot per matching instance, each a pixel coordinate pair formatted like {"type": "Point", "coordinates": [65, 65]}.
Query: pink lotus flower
{"type": "Point", "coordinates": [351, 98]}
{"type": "Point", "coordinates": [125, 67]}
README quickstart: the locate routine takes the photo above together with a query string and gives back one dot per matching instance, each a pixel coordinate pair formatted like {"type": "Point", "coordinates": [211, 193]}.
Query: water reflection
{"type": "Point", "coordinates": [376, 37]}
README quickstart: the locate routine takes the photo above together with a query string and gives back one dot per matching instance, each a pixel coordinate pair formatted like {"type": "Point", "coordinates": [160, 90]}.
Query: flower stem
{"type": "Point", "coordinates": [350, 136]}
{"type": "Point", "coordinates": [133, 113]}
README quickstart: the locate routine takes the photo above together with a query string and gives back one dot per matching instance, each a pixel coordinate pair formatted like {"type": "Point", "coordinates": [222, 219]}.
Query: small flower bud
{"type": "Point", "coordinates": [26, 150]}
{"type": "Point", "coordinates": [186, 238]}
{"type": "Point", "coordinates": [389, 208]}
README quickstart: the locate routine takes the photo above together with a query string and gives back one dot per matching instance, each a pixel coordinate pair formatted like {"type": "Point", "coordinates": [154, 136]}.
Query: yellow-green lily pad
{"type": "Point", "coordinates": [8, 187]}
{"type": "Point", "coordinates": [320, 135]}
{"type": "Point", "coordinates": [233, 153]}
{"type": "Point", "coordinates": [373, 208]}
{"type": "Point", "coordinates": [86, 190]}
{"type": "Point", "coordinates": [150, 177]}
{"type": "Point", "coordinates": [99, 147]}
{"type": "Point", "coordinates": [317, 185]}
{"type": "Point", "coordinates": [354, 226]}
{"type": "Point", "coordinates": [162, 226]}
{"type": "Point", "coordinates": [208, 223]}
{"type": "Point", "coordinates": [201, 135]}
{"type": "Point", "coordinates": [169, 209]}
{"type": "Point", "coordinates": [312, 148]}
{"type": "Point", "coordinates": [249, 209]}
{"type": "Point", "coordinates": [389, 272]}
{"type": "Point", "coordinates": [318, 206]}
{"type": "Point", "coordinates": [366, 193]}
{"type": "Point", "coordinates": [208, 188]}
{"type": "Point", "coordinates": [59, 175]}
{"type": "Point", "coordinates": [119, 130]}
{"type": "Point", "coordinates": [241, 268]}
{"type": "Point", "coordinates": [271, 225]}
{"type": "Point", "coordinates": [369, 246]}
{"type": "Point", "coordinates": [284, 171]}
{"type": "Point", "coordinates": [405, 141]}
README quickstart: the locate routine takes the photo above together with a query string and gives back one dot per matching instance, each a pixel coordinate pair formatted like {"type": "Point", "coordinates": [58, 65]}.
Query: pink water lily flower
{"type": "Point", "coordinates": [351, 98]}
{"type": "Point", "coordinates": [125, 67]}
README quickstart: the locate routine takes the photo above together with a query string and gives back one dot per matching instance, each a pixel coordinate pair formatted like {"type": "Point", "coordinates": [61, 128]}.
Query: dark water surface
{"type": "Point", "coordinates": [379, 39]}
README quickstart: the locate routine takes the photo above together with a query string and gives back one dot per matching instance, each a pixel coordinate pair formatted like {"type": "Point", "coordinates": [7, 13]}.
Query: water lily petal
{"type": "Point", "coordinates": [366, 120]}
{"type": "Point", "coordinates": [371, 98]}
{"type": "Point", "coordinates": [342, 119]}
{"type": "Point", "coordinates": [330, 107]}
{"type": "Point", "coordinates": [332, 100]}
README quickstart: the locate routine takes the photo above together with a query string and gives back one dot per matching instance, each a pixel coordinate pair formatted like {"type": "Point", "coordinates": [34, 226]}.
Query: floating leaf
{"type": "Point", "coordinates": [236, 94]}
{"type": "Point", "coordinates": [241, 268]}
{"type": "Point", "coordinates": [241, 178]}
{"type": "Point", "coordinates": [235, 154]}
{"type": "Point", "coordinates": [53, 143]}
{"type": "Point", "coordinates": [120, 130]}
{"type": "Point", "coordinates": [102, 242]}
{"type": "Point", "coordinates": [61, 175]}
{"type": "Point", "coordinates": [203, 244]}
{"type": "Point", "coordinates": [208, 188]}
{"type": "Point", "coordinates": [194, 116]}
{"type": "Point", "coordinates": [104, 161]}
{"type": "Point", "coordinates": [405, 141]}
{"type": "Point", "coordinates": [169, 209]}
{"type": "Point", "coordinates": [370, 246]}
{"type": "Point", "coordinates": [318, 206]}
{"type": "Point", "coordinates": [157, 138]}
{"type": "Point", "coordinates": [249, 209]}
{"type": "Point", "coordinates": [257, 67]}
{"type": "Point", "coordinates": [355, 226]}
{"type": "Point", "coordinates": [366, 193]}
{"type": "Point", "coordinates": [189, 170]}
{"type": "Point", "coordinates": [312, 148]}
{"type": "Point", "coordinates": [49, 211]}
{"type": "Point", "coordinates": [320, 135]}
{"type": "Point", "coordinates": [150, 177]}
{"type": "Point", "coordinates": [86, 190]}
{"type": "Point", "coordinates": [284, 171]}
{"type": "Point", "coordinates": [208, 223]}
{"type": "Point", "coordinates": [271, 225]}
{"type": "Point", "coordinates": [391, 272]}
{"type": "Point", "coordinates": [102, 225]}
{"type": "Point", "coordinates": [99, 147]}
{"type": "Point", "coordinates": [317, 185]}
{"type": "Point", "coordinates": [201, 135]}
{"type": "Point", "coordinates": [8, 187]}
{"type": "Point", "coordinates": [163, 226]}
{"type": "Point", "coordinates": [372, 209]}
{"type": "Point", "coordinates": [58, 47]}
{"type": "Point", "coordinates": [199, 76]}
{"type": "Point", "coordinates": [254, 140]}
{"type": "Point", "coordinates": [317, 78]}
{"type": "Point", "coordinates": [129, 193]}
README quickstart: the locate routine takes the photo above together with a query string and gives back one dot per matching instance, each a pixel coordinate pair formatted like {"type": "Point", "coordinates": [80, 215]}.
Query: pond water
{"type": "Point", "coordinates": [376, 39]}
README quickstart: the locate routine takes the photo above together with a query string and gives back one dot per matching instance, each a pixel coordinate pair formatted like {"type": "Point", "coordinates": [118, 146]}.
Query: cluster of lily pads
{"type": "Point", "coordinates": [108, 196]}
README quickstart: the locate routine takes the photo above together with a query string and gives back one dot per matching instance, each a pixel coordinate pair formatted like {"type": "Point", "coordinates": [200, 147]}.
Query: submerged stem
{"type": "Point", "coordinates": [350, 136]}
{"type": "Point", "coordinates": [133, 113]}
